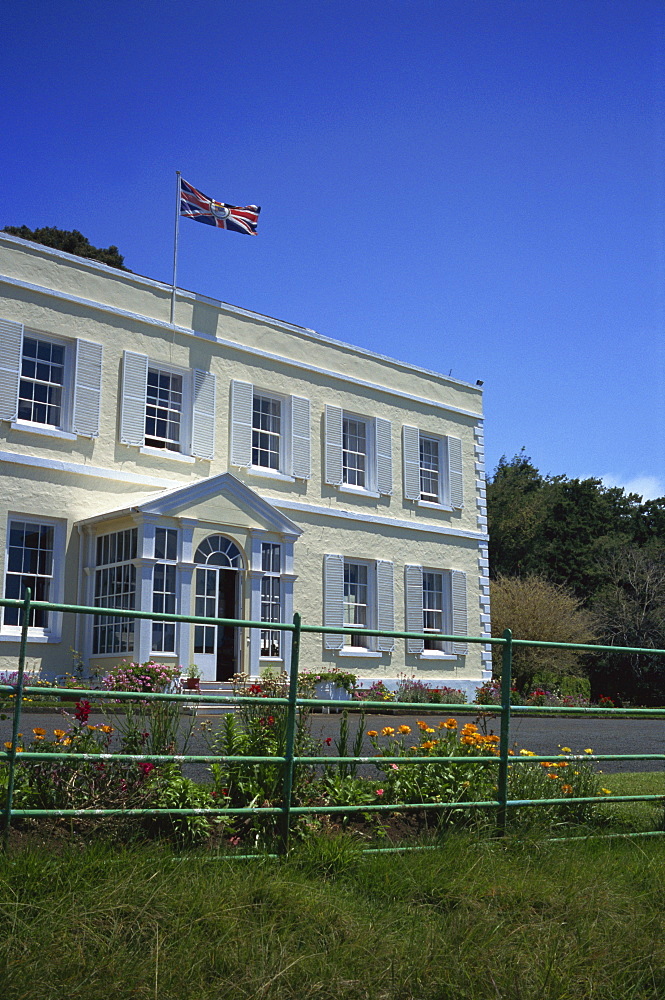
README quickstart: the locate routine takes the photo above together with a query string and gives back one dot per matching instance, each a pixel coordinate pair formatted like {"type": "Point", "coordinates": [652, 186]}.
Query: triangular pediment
{"type": "Point", "coordinates": [219, 500]}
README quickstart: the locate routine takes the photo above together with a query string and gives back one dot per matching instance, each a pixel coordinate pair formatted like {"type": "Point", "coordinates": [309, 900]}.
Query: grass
{"type": "Point", "coordinates": [516, 920]}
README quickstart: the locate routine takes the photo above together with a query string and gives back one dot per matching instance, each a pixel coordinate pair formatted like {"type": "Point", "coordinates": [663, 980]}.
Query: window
{"type": "Point", "coordinates": [164, 588]}
{"type": "Point", "coordinates": [271, 598]}
{"type": "Point", "coordinates": [430, 469]}
{"type": "Point", "coordinates": [356, 601]}
{"type": "Point", "coordinates": [30, 563]}
{"type": "Point", "coordinates": [433, 471]}
{"type": "Point", "coordinates": [358, 452]}
{"type": "Point", "coordinates": [354, 452]}
{"type": "Point", "coordinates": [49, 385]}
{"type": "Point", "coordinates": [115, 587]}
{"type": "Point", "coordinates": [266, 432]}
{"type": "Point", "coordinates": [435, 603]}
{"type": "Point", "coordinates": [171, 410]}
{"type": "Point", "coordinates": [358, 593]}
{"type": "Point", "coordinates": [163, 410]}
{"type": "Point", "coordinates": [41, 387]}
{"type": "Point", "coordinates": [436, 609]}
{"type": "Point", "coordinates": [270, 434]}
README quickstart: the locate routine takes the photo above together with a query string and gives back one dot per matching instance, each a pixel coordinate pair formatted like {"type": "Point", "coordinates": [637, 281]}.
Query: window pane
{"type": "Point", "coordinates": [29, 564]}
{"type": "Point", "coordinates": [163, 410]}
{"type": "Point", "coordinates": [266, 432]}
{"type": "Point", "coordinates": [429, 469]}
{"type": "Point", "coordinates": [354, 452]}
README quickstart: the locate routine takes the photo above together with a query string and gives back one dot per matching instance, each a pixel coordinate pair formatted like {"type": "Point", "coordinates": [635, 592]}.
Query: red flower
{"type": "Point", "coordinates": [146, 766]}
{"type": "Point", "coordinates": [255, 689]}
{"type": "Point", "coordinates": [328, 740]}
{"type": "Point", "coordinates": [82, 712]}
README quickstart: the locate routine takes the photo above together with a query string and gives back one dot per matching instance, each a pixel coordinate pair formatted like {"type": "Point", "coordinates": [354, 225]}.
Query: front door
{"type": "Point", "coordinates": [215, 646]}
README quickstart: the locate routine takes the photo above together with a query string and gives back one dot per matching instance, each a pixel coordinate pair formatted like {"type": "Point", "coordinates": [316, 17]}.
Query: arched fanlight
{"type": "Point", "coordinates": [216, 550]}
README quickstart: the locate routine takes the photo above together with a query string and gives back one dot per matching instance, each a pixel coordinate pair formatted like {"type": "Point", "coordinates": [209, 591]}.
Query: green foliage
{"type": "Point", "coordinates": [70, 241]}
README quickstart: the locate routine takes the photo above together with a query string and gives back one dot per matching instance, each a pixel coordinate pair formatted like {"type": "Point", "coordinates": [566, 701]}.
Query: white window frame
{"type": "Point", "coordinates": [52, 631]}
{"type": "Point", "coordinates": [443, 494]}
{"type": "Point", "coordinates": [284, 453]}
{"type": "Point", "coordinates": [380, 605]}
{"type": "Point", "coordinates": [370, 455]}
{"type": "Point", "coordinates": [185, 444]}
{"type": "Point", "coordinates": [167, 562]}
{"type": "Point", "coordinates": [454, 588]}
{"type": "Point", "coordinates": [439, 647]}
{"type": "Point", "coordinates": [361, 644]}
{"type": "Point", "coordinates": [132, 623]}
{"type": "Point", "coordinates": [272, 575]}
{"type": "Point", "coordinates": [64, 424]}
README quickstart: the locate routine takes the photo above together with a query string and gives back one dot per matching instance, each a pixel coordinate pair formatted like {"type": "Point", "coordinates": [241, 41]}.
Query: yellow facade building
{"type": "Point", "coordinates": [229, 465]}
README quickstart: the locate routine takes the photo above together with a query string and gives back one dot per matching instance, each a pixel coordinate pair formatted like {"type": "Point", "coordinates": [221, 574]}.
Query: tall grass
{"type": "Point", "coordinates": [465, 921]}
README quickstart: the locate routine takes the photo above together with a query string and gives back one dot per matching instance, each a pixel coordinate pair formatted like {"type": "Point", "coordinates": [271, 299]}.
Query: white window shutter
{"type": "Point", "coordinates": [455, 472]}
{"type": "Point", "coordinates": [333, 435]}
{"type": "Point", "coordinates": [242, 398]}
{"type": "Point", "coordinates": [300, 438]}
{"type": "Point", "coordinates": [87, 388]}
{"type": "Point", "coordinates": [385, 604]}
{"type": "Point", "coordinates": [384, 456]}
{"type": "Point", "coordinates": [411, 458]}
{"type": "Point", "coordinates": [203, 414]}
{"type": "Point", "coordinates": [132, 402]}
{"type": "Point", "coordinates": [11, 345]}
{"type": "Point", "coordinates": [333, 598]}
{"type": "Point", "coordinates": [413, 592]}
{"type": "Point", "coordinates": [460, 624]}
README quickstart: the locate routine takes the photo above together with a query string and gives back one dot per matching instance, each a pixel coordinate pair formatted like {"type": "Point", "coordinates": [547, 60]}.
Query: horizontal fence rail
{"type": "Point", "coordinates": [289, 760]}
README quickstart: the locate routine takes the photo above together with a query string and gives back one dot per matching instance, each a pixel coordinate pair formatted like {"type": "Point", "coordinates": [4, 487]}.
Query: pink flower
{"type": "Point", "coordinates": [379, 791]}
{"type": "Point", "coordinates": [394, 767]}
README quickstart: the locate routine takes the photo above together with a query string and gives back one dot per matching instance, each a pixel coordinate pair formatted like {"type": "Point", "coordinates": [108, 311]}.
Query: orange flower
{"type": "Point", "coordinates": [106, 729]}
{"type": "Point", "coordinates": [39, 732]}
{"type": "Point", "coordinates": [470, 740]}
{"type": "Point", "coordinates": [387, 731]}
{"type": "Point", "coordinates": [59, 733]}
{"type": "Point", "coordinates": [469, 728]}
{"type": "Point", "coordinates": [428, 744]}
{"type": "Point", "coordinates": [421, 725]}
{"type": "Point", "coordinates": [546, 763]}
{"type": "Point", "coordinates": [566, 789]}
{"type": "Point", "coordinates": [404, 730]}
{"type": "Point", "coordinates": [552, 775]}
{"type": "Point", "coordinates": [448, 724]}
{"type": "Point", "coordinates": [372, 732]}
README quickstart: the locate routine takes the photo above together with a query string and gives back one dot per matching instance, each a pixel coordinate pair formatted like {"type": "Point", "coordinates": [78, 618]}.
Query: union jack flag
{"type": "Point", "coordinates": [197, 206]}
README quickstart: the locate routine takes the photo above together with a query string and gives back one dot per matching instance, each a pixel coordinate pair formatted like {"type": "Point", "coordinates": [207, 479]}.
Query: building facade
{"type": "Point", "coordinates": [228, 465]}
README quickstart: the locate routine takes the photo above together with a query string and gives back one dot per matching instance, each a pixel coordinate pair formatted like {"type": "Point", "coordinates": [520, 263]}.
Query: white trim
{"type": "Point", "coordinates": [258, 470]}
{"type": "Point", "coordinates": [176, 456]}
{"type": "Point", "coordinates": [257, 352]}
{"type": "Point", "coordinates": [358, 651]}
{"type": "Point", "coordinates": [434, 529]}
{"type": "Point", "coordinates": [45, 429]}
{"type": "Point", "coordinates": [84, 470]}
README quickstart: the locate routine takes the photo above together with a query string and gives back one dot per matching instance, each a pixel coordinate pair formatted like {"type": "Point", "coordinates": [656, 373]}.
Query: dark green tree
{"type": "Point", "coordinates": [71, 241]}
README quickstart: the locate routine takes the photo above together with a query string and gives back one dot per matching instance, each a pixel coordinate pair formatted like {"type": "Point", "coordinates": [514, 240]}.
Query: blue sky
{"type": "Point", "coordinates": [475, 186]}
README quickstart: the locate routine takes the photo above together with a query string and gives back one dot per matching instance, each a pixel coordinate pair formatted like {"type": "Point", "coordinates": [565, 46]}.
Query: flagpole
{"type": "Point", "coordinates": [175, 246]}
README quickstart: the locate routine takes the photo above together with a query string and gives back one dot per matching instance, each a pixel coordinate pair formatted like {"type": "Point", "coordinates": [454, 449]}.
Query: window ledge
{"type": "Point", "coordinates": [432, 654]}
{"type": "Point", "coordinates": [359, 651]}
{"type": "Point", "coordinates": [436, 506]}
{"type": "Point", "coordinates": [56, 432]}
{"type": "Point", "coordinates": [358, 491]}
{"type": "Point", "coordinates": [16, 637]}
{"type": "Point", "coordinates": [257, 470]}
{"type": "Point", "coordinates": [174, 456]}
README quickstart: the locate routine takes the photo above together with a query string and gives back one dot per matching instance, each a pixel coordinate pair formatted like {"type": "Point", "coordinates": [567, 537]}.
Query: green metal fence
{"type": "Point", "coordinates": [287, 810]}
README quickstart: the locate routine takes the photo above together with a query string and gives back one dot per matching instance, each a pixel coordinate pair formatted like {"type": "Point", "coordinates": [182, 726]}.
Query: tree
{"type": "Point", "coordinates": [534, 608]}
{"type": "Point", "coordinates": [71, 241]}
{"type": "Point", "coordinates": [630, 611]}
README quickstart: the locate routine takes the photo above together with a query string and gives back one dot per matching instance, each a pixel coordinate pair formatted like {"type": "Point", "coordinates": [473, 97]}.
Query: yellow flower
{"type": "Point", "coordinates": [39, 732]}
{"type": "Point", "coordinates": [372, 732]}
{"type": "Point", "coordinates": [566, 750]}
{"type": "Point", "coordinates": [448, 724]}
{"type": "Point", "coordinates": [405, 730]}
{"type": "Point", "coordinates": [468, 740]}
{"type": "Point", "coordinates": [527, 753]}
{"type": "Point", "coordinates": [588, 750]}
{"type": "Point", "coordinates": [387, 731]}
{"type": "Point", "coordinates": [428, 744]}
{"type": "Point", "coordinates": [469, 728]}
{"type": "Point", "coordinates": [59, 733]}
{"type": "Point", "coordinates": [90, 727]}
{"type": "Point", "coordinates": [428, 730]}
{"type": "Point", "coordinates": [606, 791]}
{"type": "Point", "coordinates": [421, 725]}
{"type": "Point", "coordinates": [8, 745]}
{"type": "Point", "coordinates": [67, 742]}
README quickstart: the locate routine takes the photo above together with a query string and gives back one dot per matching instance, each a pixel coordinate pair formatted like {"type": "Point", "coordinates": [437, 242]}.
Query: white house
{"type": "Point", "coordinates": [228, 465]}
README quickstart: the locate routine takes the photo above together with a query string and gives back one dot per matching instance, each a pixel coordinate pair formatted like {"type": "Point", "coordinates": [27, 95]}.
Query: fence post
{"type": "Point", "coordinates": [18, 704]}
{"type": "Point", "coordinates": [506, 685]}
{"type": "Point", "coordinates": [290, 734]}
